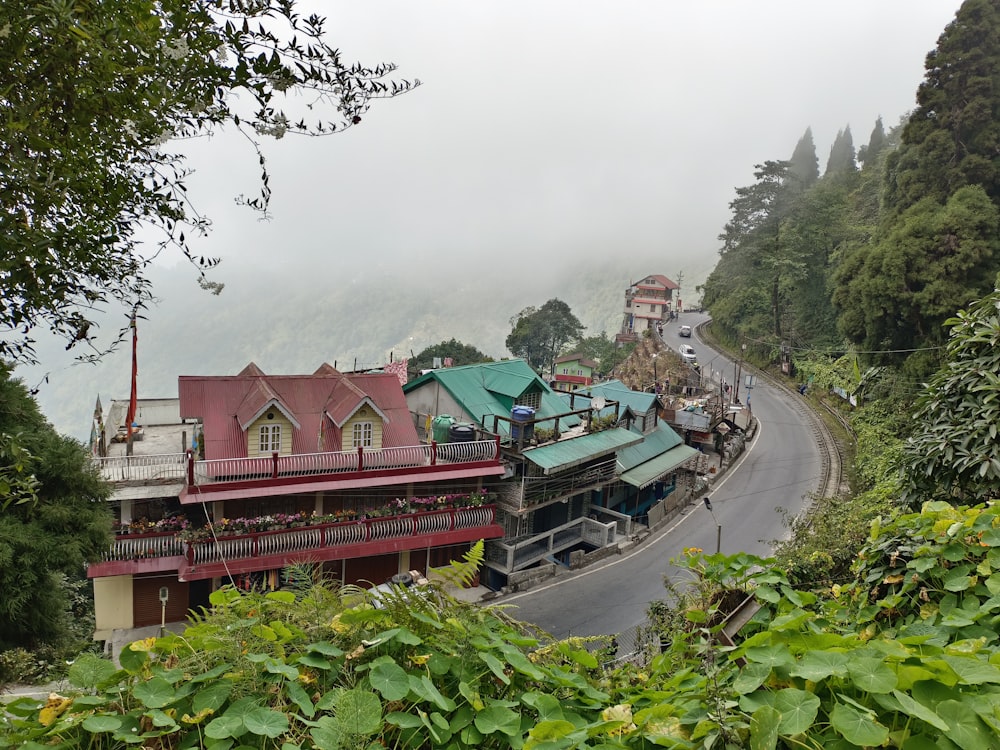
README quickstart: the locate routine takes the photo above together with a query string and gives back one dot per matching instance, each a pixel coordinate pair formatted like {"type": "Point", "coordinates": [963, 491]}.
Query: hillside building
{"type": "Point", "coordinates": [243, 477]}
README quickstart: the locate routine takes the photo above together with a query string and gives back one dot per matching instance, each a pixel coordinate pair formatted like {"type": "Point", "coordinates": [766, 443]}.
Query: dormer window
{"type": "Point", "coordinates": [534, 400]}
{"type": "Point", "coordinates": [270, 438]}
{"type": "Point", "coordinates": [363, 434]}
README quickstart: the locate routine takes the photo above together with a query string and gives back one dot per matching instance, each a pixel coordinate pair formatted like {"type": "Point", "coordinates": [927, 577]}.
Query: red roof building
{"type": "Point", "coordinates": [243, 476]}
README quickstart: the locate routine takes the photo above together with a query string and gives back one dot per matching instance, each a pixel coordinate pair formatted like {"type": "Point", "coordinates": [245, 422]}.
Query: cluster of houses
{"type": "Point", "coordinates": [253, 478]}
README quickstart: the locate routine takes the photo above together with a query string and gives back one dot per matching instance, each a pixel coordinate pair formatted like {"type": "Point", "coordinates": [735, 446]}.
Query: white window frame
{"type": "Point", "coordinates": [269, 438]}
{"type": "Point", "coordinates": [363, 435]}
{"type": "Point", "coordinates": [532, 400]}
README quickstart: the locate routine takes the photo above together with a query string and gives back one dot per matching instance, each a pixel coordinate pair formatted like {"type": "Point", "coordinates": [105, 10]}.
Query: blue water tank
{"type": "Point", "coordinates": [522, 423]}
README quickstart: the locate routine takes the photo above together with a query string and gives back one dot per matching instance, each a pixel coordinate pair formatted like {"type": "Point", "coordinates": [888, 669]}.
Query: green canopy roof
{"type": "Point", "coordinates": [566, 454]}
{"type": "Point", "coordinates": [645, 474]}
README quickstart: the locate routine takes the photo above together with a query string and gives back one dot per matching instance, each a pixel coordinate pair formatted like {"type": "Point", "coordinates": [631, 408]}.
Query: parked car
{"type": "Point", "coordinates": [687, 354]}
{"type": "Point", "coordinates": [684, 331]}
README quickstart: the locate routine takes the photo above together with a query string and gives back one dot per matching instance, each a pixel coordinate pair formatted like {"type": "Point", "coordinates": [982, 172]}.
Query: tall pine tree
{"type": "Point", "coordinates": [803, 167]}
{"type": "Point", "coordinates": [936, 248]}
{"type": "Point", "coordinates": [952, 139]}
{"type": "Point", "coordinates": [842, 156]}
{"type": "Point", "coordinates": [877, 142]}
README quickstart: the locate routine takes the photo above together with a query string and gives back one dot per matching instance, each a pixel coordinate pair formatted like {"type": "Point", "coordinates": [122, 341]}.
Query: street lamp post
{"type": "Point", "coordinates": [656, 379]}
{"type": "Point", "coordinates": [718, 526]}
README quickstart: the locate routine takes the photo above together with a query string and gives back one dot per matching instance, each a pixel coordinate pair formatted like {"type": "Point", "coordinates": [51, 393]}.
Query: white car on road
{"type": "Point", "coordinates": [687, 353]}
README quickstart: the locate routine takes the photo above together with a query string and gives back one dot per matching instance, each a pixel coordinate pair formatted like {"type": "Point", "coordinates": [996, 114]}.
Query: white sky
{"type": "Point", "coordinates": [546, 133]}
{"type": "Point", "coordinates": [557, 129]}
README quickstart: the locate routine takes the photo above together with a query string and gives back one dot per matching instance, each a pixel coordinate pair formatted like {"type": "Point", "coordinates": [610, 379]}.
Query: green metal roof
{"type": "Point", "coordinates": [571, 452]}
{"type": "Point", "coordinates": [655, 443]}
{"type": "Point", "coordinates": [492, 388]}
{"type": "Point", "coordinates": [645, 474]}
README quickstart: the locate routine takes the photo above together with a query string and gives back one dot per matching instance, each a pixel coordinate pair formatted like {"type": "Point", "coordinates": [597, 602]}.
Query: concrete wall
{"type": "Point", "coordinates": [112, 605]}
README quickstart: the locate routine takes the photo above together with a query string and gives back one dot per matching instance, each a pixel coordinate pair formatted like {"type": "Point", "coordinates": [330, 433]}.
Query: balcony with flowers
{"type": "Point", "coordinates": [240, 545]}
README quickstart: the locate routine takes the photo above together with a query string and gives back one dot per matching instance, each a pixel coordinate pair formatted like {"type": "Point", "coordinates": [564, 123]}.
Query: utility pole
{"type": "Point", "coordinates": [739, 374]}
{"type": "Point", "coordinates": [680, 281]}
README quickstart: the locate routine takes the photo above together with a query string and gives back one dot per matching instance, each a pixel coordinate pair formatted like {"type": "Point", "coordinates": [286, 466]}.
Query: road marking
{"type": "Point", "coordinates": [642, 547]}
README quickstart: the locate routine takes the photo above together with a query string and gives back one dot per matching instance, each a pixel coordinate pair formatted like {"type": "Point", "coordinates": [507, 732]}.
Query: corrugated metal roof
{"type": "Point", "coordinates": [645, 474]}
{"type": "Point", "coordinates": [655, 443]}
{"type": "Point", "coordinates": [615, 390]}
{"type": "Point", "coordinates": [571, 452]}
{"type": "Point", "coordinates": [220, 401]}
{"type": "Point", "coordinates": [660, 279]}
{"type": "Point", "coordinates": [492, 388]}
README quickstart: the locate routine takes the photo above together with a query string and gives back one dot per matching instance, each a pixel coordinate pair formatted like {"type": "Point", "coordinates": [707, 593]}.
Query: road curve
{"type": "Point", "coordinates": [788, 461]}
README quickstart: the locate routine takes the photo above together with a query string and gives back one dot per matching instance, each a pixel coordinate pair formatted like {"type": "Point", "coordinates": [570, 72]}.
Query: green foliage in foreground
{"type": "Point", "coordinates": [906, 655]}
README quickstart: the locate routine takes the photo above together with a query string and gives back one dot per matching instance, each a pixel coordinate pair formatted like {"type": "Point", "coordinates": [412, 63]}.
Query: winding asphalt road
{"type": "Point", "coordinates": [782, 466]}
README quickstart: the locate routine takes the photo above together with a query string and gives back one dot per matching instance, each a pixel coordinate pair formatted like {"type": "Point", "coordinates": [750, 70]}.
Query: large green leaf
{"type": "Point", "coordinates": [390, 680]}
{"type": "Point", "coordinates": [498, 719]}
{"type": "Point", "coordinates": [89, 671]}
{"type": "Point", "coordinates": [359, 712]}
{"type": "Point", "coordinates": [265, 722]}
{"type": "Point", "coordinates": [966, 729]}
{"type": "Point", "coordinates": [764, 728]}
{"type": "Point", "coordinates": [798, 710]}
{"type": "Point", "coordinates": [857, 726]}
{"type": "Point", "coordinates": [297, 694]}
{"type": "Point", "coordinates": [972, 669]}
{"type": "Point", "coordinates": [212, 696]}
{"type": "Point", "coordinates": [871, 674]}
{"type": "Point", "coordinates": [155, 692]}
{"type": "Point", "coordinates": [818, 665]}
{"type": "Point", "coordinates": [225, 726]}
{"type": "Point", "coordinates": [902, 703]}
{"type": "Point", "coordinates": [102, 723]}
{"type": "Point", "coordinates": [750, 678]}
{"type": "Point", "coordinates": [775, 655]}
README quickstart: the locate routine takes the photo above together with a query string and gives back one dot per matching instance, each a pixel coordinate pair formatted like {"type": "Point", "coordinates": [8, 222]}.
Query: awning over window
{"type": "Point", "coordinates": [645, 474]}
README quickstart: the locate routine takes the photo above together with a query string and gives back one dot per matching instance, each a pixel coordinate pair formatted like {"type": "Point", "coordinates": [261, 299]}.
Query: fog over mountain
{"type": "Point", "coordinates": [557, 149]}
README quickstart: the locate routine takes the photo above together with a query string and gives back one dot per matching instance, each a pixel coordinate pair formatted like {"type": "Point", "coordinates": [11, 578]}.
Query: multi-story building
{"type": "Point", "coordinates": [573, 371]}
{"type": "Point", "coordinates": [648, 302]}
{"type": "Point", "coordinates": [659, 468]}
{"type": "Point", "coordinates": [579, 465]}
{"type": "Point", "coordinates": [243, 477]}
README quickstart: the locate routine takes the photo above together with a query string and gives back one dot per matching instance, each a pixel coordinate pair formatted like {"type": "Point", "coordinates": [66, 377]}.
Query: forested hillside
{"type": "Point", "coordinates": [892, 239]}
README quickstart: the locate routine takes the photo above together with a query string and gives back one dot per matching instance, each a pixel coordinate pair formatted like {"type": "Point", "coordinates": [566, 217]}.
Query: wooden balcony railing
{"type": "Point", "coordinates": [183, 467]}
{"type": "Point", "coordinates": [299, 539]}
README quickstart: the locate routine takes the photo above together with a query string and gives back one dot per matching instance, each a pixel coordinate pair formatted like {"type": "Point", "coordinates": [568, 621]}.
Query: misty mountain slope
{"type": "Point", "coordinates": [289, 324]}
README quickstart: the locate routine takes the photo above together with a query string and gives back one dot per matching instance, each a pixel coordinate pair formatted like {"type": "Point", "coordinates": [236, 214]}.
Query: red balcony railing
{"type": "Point", "coordinates": [183, 467]}
{"type": "Point", "coordinates": [142, 546]}
{"type": "Point", "coordinates": [364, 531]}
{"type": "Point", "coordinates": [127, 547]}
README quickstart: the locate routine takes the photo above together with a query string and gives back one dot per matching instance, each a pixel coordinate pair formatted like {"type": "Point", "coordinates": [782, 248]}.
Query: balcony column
{"type": "Point", "coordinates": [126, 512]}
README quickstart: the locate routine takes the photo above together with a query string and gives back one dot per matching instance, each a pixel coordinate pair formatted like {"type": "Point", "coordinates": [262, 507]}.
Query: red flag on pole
{"type": "Point", "coordinates": [130, 417]}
